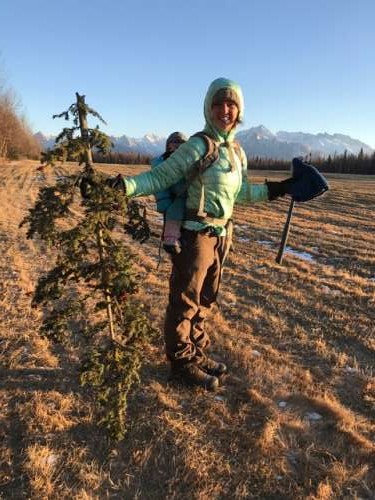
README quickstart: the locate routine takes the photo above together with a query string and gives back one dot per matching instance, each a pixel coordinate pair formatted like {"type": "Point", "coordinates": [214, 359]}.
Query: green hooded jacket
{"type": "Point", "coordinates": [223, 183]}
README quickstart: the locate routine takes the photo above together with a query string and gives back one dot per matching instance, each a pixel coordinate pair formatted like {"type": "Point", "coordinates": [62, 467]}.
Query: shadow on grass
{"type": "Point", "coordinates": [18, 485]}
{"type": "Point", "coordinates": [20, 384]}
{"type": "Point", "coordinates": [35, 379]}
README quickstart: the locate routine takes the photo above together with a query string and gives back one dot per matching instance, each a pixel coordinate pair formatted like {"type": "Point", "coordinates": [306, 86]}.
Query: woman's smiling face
{"type": "Point", "coordinates": [224, 115]}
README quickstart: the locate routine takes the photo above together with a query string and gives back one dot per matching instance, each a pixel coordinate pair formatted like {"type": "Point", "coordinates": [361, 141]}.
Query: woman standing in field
{"type": "Point", "coordinates": [205, 231]}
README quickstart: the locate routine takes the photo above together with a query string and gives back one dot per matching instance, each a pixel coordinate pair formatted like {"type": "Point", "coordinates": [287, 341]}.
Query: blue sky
{"type": "Point", "coordinates": [145, 65]}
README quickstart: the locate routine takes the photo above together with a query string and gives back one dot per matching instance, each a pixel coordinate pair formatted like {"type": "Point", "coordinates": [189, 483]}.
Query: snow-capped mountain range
{"type": "Point", "coordinates": [256, 141]}
{"type": "Point", "coordinates": [259, 141]}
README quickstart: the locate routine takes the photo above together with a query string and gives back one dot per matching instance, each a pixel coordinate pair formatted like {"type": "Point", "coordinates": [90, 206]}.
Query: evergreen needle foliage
{"type": "Point", "coordinates": [89, 296]}
{"type": "Point", "coordinates": [68, 145]}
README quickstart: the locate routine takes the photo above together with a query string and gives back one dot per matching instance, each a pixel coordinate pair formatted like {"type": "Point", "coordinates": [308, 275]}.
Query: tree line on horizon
{"type": "Point", "coordinates": [128, 158]}
{"type": "Point", "coordinates": [347, 163]}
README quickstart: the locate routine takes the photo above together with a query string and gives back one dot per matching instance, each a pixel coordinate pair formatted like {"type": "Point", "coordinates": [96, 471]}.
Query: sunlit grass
{"type": "Point", "coordinates": [293, 419]}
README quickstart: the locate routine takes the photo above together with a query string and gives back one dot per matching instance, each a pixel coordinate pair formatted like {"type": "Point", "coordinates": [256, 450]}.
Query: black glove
{"type": "Point", "coordinates": [277, 189]}
{"type": "Point", "coordinates": [116, 183]}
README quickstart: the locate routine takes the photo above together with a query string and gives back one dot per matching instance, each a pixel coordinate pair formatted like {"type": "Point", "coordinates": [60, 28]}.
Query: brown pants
{"type": "Point", "coordinates": [194, 285]}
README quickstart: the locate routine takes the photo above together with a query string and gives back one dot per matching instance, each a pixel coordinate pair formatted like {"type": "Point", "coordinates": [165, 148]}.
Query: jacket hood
{"type": "Point", "coordinates": [221, 83]}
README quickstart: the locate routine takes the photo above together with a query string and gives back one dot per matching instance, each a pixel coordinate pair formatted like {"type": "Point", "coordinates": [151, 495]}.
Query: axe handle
{"type": "Point", "coordinates": [285, 234]}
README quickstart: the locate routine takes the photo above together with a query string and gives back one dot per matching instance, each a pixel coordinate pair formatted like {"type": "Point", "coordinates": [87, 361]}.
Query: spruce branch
{"type": "Point", "coordinates": [92, 286]}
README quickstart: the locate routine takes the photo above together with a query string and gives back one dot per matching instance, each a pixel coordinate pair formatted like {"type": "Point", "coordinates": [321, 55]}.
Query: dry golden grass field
{"type": "Point", "coordinates": [294, 419]}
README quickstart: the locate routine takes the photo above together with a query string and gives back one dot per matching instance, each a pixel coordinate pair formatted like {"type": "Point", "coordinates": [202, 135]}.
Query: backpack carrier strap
{"type": "Point", "coordinates": [234, 149]}
{"type": "Point", "coordinates": [212, 152]}
{"type": "Point", "coordinates": [210, 157]}
{"type": "Point", "coordinates": [237, 148]}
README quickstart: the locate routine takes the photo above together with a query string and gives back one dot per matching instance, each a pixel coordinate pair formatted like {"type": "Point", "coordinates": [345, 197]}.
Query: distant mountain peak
{"type": "Point", "coordinates": [261, 128]}
{"type": "Point", "coordinates": [153, 137]}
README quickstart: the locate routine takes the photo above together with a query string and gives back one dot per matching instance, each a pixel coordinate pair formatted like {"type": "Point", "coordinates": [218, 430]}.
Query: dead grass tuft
{"type": "Point", "coordinates": [42, 466]}
{"type": "Point", "coordinates": [49, 412]}
{"type": "Point", "coordinates": [324, 492]}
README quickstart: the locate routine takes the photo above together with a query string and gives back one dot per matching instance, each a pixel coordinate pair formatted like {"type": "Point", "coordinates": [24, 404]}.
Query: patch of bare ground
{"type": "Point", "coordinates": [293, 419]}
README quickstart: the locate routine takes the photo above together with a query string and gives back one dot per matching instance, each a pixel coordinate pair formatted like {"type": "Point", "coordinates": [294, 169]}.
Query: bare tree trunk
{"type": "Point", "coordinates": [82, 114]}
{"type": "Point", "coordinates": [107, 295]}
{"type": "Point", "coordinates": [84, 128]}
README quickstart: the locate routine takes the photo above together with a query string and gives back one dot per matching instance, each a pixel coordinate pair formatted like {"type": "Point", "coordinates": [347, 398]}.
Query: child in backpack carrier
{"type": "Point", "coordinates": [171, 203]}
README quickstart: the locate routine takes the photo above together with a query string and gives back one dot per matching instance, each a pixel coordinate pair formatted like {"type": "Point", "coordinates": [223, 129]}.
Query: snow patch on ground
{"type": "Point", "coordinates": [301, 255]}
{"type": "Point", "coordinates": [313, 416]}
{"type": "Point", "coordinates": [350, 369]}
{"type": "Point", "coordinates": [288, 250]}
{"type": "Point", "coordinates": [267, 243]}
{"type": "Point", "coordinates": [241, 227]}
{"type": "Point", "coordinates": [328, 290]}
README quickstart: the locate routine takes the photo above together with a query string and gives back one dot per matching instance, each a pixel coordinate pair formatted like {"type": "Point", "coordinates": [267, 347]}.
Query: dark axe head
{"type": "Point", "coordinates": [308, 182]}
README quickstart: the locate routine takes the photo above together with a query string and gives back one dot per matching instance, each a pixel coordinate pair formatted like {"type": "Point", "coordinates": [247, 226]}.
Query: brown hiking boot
{"type": "Point", "coordinates": [191, 374]}
{"type": "Point", "coordinates": [213, 367]}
